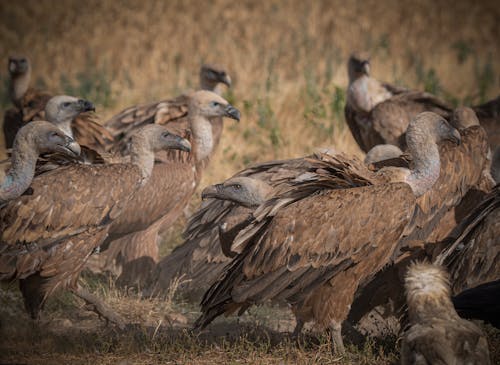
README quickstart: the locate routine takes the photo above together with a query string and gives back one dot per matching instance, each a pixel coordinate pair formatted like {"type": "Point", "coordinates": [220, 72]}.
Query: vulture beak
{"type": "Point", "coordinates": [366, 67]}
{"type": "Point", "coordinates": [71, 147]}
{"type": "Point", "coordinates": [225, 79]}
{"type": "Point", "coordinates": [231, 112]}
{"type": "Point", "coordinates": [455, 137]}
{"type": "Point", "coordinates": [86, 106]}
{"type": "Point", "coordinates": [211, 191]}
{"type": "Point", "coordinates": [178, 143]}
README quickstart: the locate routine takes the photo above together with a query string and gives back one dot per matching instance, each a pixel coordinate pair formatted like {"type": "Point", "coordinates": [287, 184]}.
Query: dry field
{"type": "Point", "coordinates": [288, 63]}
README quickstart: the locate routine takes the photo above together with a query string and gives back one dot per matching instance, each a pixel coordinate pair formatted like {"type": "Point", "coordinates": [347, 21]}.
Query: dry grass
{"type": "Point", "coordinates": [287, 60]}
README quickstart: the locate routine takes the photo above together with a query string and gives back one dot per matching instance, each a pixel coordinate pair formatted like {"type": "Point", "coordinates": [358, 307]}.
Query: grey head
{"type": "Point", "coordinates": [155, 137]}
{"type": "Point", "coordinates": [45, 137]}
{"type": "Point", "coordinates": [358, 65]}
{"type": "Point", "coordinates": [18, 65]}
{"type": "Point", "coordinates": [431, 127]}
{"type": "Point", "coordinates": [244, 191]}
{"type": "Point", "coordinates": [213, 75]}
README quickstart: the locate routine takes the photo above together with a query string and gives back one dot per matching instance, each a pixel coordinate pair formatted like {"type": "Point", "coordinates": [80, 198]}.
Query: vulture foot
{"type": "Point", "coordinates": [96, 305]}
{"type": "Point", "coordinates": [336, 329]}
{"type": "Point", "coordinates": [298, 329]}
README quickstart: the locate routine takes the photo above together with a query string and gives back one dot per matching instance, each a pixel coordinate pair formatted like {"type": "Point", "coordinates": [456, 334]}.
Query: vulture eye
{"type": "Point", "coordinates": [165, 134]}
{"type": "Point", "coordinates": [66, 104]}
{"type": "Point", "coordinates": [237, 186]}
{"type": "Point", "coordinates": [214, 104]}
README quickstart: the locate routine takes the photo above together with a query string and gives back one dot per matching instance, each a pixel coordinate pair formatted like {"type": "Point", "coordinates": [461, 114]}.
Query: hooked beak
{"type": "Point", "coordinates": [231, 112]}
{"type": "Point", "coordinates": [86, 106]}
{"type": "Point", "coordinates": [366, 67]}
{"type": "Point", "coordinates": [178, 143]}
{"type": "Point", "coordinates": [455, 137]}
{"type": "Point", "coordinates": [211, 191]}
{"type": "Point", "coordinates": [72, 148]}
{"type": "Point", "coordinates": [226, 80]}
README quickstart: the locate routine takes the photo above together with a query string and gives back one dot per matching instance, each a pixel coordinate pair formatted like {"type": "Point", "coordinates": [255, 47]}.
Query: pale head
{"type": "Point", "coordinates": [18, 65]}
{"type": "Point", "coordinates": [45, 137]}
{"type": "Point", "coordinates": [209, 105]}
{"type": "Point", "coordinates": [63, 108]}
{"type": "Point", "coordinates": [212, 75]}
{"type": "Point", "coordinates": [241, 190]}
{"type": "Point", "coordinates": [464, 117]}
{"type": "Point", "coordinates": [382, 152]}
{"type": "Point", "coordinates": [358, 65]}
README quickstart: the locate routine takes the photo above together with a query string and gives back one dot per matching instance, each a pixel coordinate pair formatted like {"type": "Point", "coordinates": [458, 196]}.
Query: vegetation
{"type": "Point", "coordinates": [288, 63]}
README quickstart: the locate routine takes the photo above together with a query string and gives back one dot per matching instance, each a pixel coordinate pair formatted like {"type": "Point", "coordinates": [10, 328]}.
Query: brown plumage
{"type": "Point", "coordinates": [489, 117]}
{"type": "Point", "coordinates": [453, 196]}
{"type": "Point", "coordinates": [473, 257]}
{"type": "Point", "coordinates": [173, 182]}
{"type": "Point", "coordinates": [47, 236]}
{"type": "Point", "coordinates": [437, 335]}
{"type": "Point", "coordinates": [304, 237]}
{"type": "Point", "coordinates": [200, 259]}
{"type": "Point", "coordinates": [139, 252]}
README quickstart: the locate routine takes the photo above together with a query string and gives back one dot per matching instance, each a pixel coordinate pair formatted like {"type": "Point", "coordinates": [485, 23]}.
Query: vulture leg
{"type": "Point", "coordinates": [33, 295]}
{"type": "Point", "coordinates": [336, 331]}
{"type": "Point", "coordinates": [298, 329]}
{"type": "Point", "coordinates": [99, 307]}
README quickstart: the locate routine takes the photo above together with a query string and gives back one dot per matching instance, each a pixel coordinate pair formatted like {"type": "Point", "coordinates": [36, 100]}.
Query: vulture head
{"type": "Point", "coordinates": [464, 117]}
{"type": "Point", "coordinates": [382, 152]}
{"type": "Point", "coordinates": [155, 137]}
{"type": "Point", "coordinates": [241, 190]}
{"type": "Point", "coordinates": [358, 65]}
{"type": "Point", "coordinates": [208, 105]}
{"type": "Point", "coordinates": [45, 137]}
{"type": "Point", "coordinates": [62, 109]}
{"type": "Point", "coordinates": [430, 127]}
{"type": "Point", "coordinates": [18, 65]}
{"type": "Point", "coordinates": [212, 75]}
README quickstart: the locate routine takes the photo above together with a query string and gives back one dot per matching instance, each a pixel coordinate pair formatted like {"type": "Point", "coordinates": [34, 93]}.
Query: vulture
{"type": "Point", "coordinates": [437, 335]}
{"type": "Point", "coordinates": [379, 113]}
{"type": "Point", "coordinates": [31, 104]}
{"type": "Point", "coordinates": [48, 234]}
{"type": "Point", "coordinates": [28, 102]}
{"type": "Point", "coordinates": [327, 225]}
{"type": "Point", "coordinates": [495, 165]}
{"type": "Point", "coordinates": [32, 140]}
{"type": "Point", "coordinates": [472, 256]}
{"type": "Point", "coordinates": [227, 208]}
{"type": "Point", "coordinates": [132, 258]}
{"type": "Point", "coordinates": [464, 180]}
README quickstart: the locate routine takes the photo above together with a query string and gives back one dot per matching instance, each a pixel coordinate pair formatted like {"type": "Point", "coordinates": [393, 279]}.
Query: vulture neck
{"type": "Point", "coordinates": [65, 126]}
{"type": "Point", "coordinates": [210, 86]}
{"type": "Point", "coordinates": [426, 162]}
{"type": "Point", "coordinates": [19, 84]}
{"type": "Point", "coordinates": [358, 95]}
{"type": "Point", "coordinates": [424, 307]}
{"type": "Point", "coordinates": [142, 157]}
{"type": "Point", "coordinates": [203, 137]}
{"type": "Point", "coordinates": [22, 171]}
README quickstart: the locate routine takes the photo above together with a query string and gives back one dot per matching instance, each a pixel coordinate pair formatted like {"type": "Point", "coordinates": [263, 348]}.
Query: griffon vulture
{"type": "Point", "coordinates": [47, 235]}
{"type": "Point", "coordinates": [437, 335]}
{"type": "Point", "coordinates": [327, 226]}
{"type": "Point", "coordinates": [378, 113]}
{"type": "Point", "coordinates": [174, 180]}
{"type": "Point", "coordinates": [226, 210]}
{"type": "Point", "coordinates": [133, 257]}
